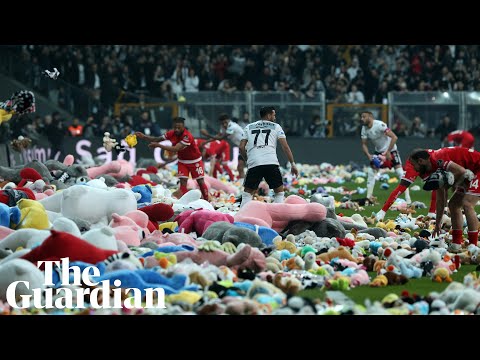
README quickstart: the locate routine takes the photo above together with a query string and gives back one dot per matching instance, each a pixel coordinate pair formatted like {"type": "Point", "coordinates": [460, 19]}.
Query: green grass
{"type": "Point", "coordinates": [421, 286]}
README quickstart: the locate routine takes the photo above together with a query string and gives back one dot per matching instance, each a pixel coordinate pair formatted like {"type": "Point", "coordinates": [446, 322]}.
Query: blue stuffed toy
{"type": "Point", "coordinates": [266, 234]}
{"type": "Point", "coordinates": [9, 215]}
{"type": "Point", "coordinates": [145, 192]}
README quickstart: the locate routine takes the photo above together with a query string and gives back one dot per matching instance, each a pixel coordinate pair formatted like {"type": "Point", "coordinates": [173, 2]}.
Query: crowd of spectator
{"type": "Point", "coordinates": [346, 73]}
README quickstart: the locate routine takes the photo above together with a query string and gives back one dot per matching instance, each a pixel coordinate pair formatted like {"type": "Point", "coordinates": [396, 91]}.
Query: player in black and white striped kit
{"type": "Point", "coordinates": [259, 148]}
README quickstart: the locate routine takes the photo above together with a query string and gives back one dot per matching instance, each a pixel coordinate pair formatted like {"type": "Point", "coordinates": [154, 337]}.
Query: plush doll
{"type": "Point", "coordinates": [59, 245]}
{"type": "Point", "coordinates": [33, 215]}
{"type": "Point", "coordinates": [277, 216]}
{"type": "Point", "coordinates": [131, 140]}
{"type": "Point", "coordinates": [340, 252]}
{"type": "Point", "coordinates": [379, 281]}
{"type": "Point", "coordinates": [21, 102]}
{"type": "Point", "coordinates": [21, 143]}
{"type": "Point", "coordinates": [395, 279]}
{"type": "Point", "coordinates": [200, 220]}
{"type": "Point", "coordinates": [192, 200]}
{"type": "Point", "coordinates": [144, 192]}
{"type": "Point", "coordinates": [20, 270]}
{"type": "Point", "coordinates": [246, 257]}
{"type": "Point", "coordinates": [9, 215]}
{"type": "Point", "coordinates": [11, 197]}
{"type": "Point", "coordinates": [111, 144]}
{"type": "Point", "coordinates": [224, 231]}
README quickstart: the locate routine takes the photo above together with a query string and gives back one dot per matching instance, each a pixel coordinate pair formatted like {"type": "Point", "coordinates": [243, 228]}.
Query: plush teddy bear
{"type": "Point", "coordinates": [340, 252]}
{"type": "Point", "coordinates": [21, 143]}
{"type": "Point", "coordinates": [224, 231]}
{"type": "Point", "coordinates": [277, 216]}
{"type": "Point", "coordinates": [111, 144]}
{"type": "Point", "coordinates": [199, 220]}
{"type": "Point", "coordinates": [246, 257]}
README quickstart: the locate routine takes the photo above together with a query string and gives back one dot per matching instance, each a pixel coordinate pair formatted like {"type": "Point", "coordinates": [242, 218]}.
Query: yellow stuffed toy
{"type": "Point", "coordinates": [172, 225]}
{"type": "Point", "coordinates": [131, 140]}
{"type": "Point", "coordinates": [5, 115]}
{"type": "Point", "coordinates": [33, 215]}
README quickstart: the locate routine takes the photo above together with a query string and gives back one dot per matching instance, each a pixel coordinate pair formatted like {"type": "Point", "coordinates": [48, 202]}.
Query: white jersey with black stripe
{"type": "Point", "coordinates": [262, 137]}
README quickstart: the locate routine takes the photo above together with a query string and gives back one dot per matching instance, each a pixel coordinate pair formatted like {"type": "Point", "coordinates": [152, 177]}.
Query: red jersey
{"type": "Point", "coordinates": [189, 155]}
{"type": "Point", "coordinates": [410, 173]}
{"type": "Point", "coordinates": [467, 158]}
{"type": "Point", "coordinates": [461, 138]}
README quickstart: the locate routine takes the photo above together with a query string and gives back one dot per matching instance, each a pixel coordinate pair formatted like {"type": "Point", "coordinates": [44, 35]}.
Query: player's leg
{"type": "Point", "coordinates": [241, 167]}
{"type": "Point", "coordinates": [397, 165]}
{"type": "Point", "coordinates": [274, 179]}
{"type": "Point", "coordinates": [455, 206]}
{"type": "Point", "coordinates": [404, 184]}
{"type": "Point", "coordinates": [252, 180]}
{"type": "Point", "coordinates": [370, 181]}
{"type": "Point", "coordinates": [197, 171]}
{"type": "Point", "coordinates": [227, 169]}
{"type": "Point", "coordinates": [470, 199]}
{"type": "Point", "coordinates": [183, 173]}
{"type": "Point", "coordinates": [433, 204]}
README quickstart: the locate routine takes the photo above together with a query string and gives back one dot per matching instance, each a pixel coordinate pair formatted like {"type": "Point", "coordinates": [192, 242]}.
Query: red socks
{"type": "Point", "coordinates": [183, 189]}
{"type": "Point", "coordinates": [204, 190]}
{"type": "Point", "coordinates": [473, 237]}
{"type": "Point", "coordinates": [433, 202]}
{"type": "Point", "coordinates": [457, 236]}
{"type": "Point", "coordinates": [229, 172]}
{"type": "Point", "coordinates": [400, 189]}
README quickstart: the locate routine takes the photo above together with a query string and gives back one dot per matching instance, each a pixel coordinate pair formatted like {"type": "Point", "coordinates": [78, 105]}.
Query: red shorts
{"type": "Point", "coordinates": [473, 187]}
{"type": "Point", "coordinates": [195, 169]}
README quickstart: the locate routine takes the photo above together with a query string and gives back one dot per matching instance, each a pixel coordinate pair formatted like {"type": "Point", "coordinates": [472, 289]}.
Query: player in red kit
{"type": "Point", "coordinates": [464, 165]}
{"type": "Point", "coordinates": [461, 138]}
{"type": "Point", "coordinates": [408, 178]}
{"type": "Point", "coordinates": [189, 156]}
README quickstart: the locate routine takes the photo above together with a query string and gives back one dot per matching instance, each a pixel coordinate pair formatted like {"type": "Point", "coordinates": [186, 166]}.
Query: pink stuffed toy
{"type": "Point", "coordinates": [69, 160]}
{"type": "Point", "coordinates": [213, 183]}
{"type": "Point", "coordinates": [5, 231]}
{"type": "Point", "coordinates": [176, 238]}
{"type": "Point", "coordinates": [200, 220]}
{"type": "Point", "coordinates": [277, 216]}
{"type": "Point", "coordinates": [245, 258]}
{"type": "Point", "coordinates": [117, 169]}
{"type": "Point", "coordinates": [130, 228]}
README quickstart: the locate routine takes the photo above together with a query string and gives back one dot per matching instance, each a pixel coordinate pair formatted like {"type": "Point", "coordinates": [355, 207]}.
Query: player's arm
{"type": "Point", "coordinates": [460, 173]}
{"type": "Point", "coordinates": [394, 138]}
{"type": "Point", "coordinates": [173, 149]}
{"type": "Point", "coordinates": [219, 136]}
{"type": "Point", "coordinates": [150, 139]}
{"type": "Point", "coordinates": [288, 152]}
{"type": "Point", "coordinates": [365, 149]}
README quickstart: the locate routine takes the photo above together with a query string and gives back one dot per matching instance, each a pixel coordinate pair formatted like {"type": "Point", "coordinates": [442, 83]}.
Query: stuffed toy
{"type": "Point", "coordinates": [9, 215]}
{"type": "Point", "coordinates": [199, 220]}
{"type": "Point", "coordinates": [20, 270]}
{"type": "Point", "coordinates": [117, 168]}
{"type": "Point", "coordinates": [358, 278]}
{"type": "Point", "coordinates": [287, 244]}
{"type": "Point", "coordinates": [168, 227]}
{"type": "Point", "coordinates": [214, 184]}
{"type": "Point", "coordinates": [340, 252]}
{"type": "Point", "coordinates": [175, 238]}
{"type": "Point", "coordinates": [290, 285]}
{"type": "Point", "coordinates": [277, 216]}
{"type": "Point", "coordinates": [129, 231]}
{"type": "Point", "coordinates": [21, 143]}
{"type": "Point", "coordinates": [266, 234]}
{"type": "Point", "coordinates": [21, 102]}
{"type": "Point", "coordinates": [224, 231]}
{"type": "Point", "coordinates": [103, 238]}
{"type": "Point", "coordinates": [379, 281]}
{"type": "Point", "coordinates": [59, 245]}
{"type": "Point", "coordinates": [33, 215]}
{"type": "Point", "coordinates": [192, 200]}
{"type": "Point", "coordinates": [51, 74]}
{"type": "Point", "coordinates": [5, 115]}
{"type": "Point", "coordinates": [395, 279]}
{"type": "Point", "coordinates": [157, 213]}
{"type": "Point", "coordinates": [246, 257]}
{"type": "Point", "coordinates": [131, 140]}
{"type": "Point", "coordinates": [111, 144]}
{"type": "Point", "coordinates": [144, 192]}
{"type": "Point", "coordinates": [441, 275]}
{"type": "Point", "coordinates": [91, 204]}
{"type": "Point", "coordinates": [11, 197]}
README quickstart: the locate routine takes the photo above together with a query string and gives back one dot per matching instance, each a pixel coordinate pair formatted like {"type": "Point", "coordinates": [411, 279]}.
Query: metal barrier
{"type": "Point", "coordinates": [344, 119]}
{"type": "Point", "coordinates": [202, 109]}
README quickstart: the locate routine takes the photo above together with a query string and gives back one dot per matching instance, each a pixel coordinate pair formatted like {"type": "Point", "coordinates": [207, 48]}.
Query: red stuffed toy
{"type": "Point", "coordinates": [61, 244]}
{"type": "Point", "coordinates": [10, 197]}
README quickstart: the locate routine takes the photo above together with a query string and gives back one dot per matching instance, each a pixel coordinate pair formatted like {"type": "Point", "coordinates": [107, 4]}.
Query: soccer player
{"type": "Point", "coordinates": [464, 164]}
{"type": "Point", "coordinates": [407, 179]}
{"type": "Point", "coordinates": [384, 141]}
{"type": "Point", "coordinates": [461, 138]}
{"type": "Point", "coordinates": [259, 148]}
{"type": "Point", "coordinates": [234, 132]}
{"type": "Point", "coordinates": [218, 152]}
{"type": "Point", "coordinates": [189, 156]}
